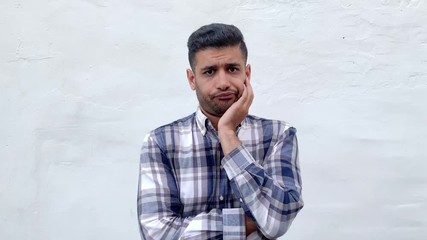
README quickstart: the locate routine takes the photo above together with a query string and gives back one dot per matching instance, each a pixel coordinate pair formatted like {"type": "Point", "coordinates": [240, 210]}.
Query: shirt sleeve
{"type": "Point", "coordinates": [160, 209]}
{"type": "Point", "coordinates": [270, 192]}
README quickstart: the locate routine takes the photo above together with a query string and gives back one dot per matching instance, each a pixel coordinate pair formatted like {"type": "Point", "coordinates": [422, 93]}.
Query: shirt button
{"type": "Point", "coordinates": [221, 198]}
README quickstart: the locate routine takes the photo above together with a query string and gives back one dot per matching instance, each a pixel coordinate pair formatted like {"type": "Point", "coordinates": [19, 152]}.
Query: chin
{"type": "Point", "coordinates": [221, 111]}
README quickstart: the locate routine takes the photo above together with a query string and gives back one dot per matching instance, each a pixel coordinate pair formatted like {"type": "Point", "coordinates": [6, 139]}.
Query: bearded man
{"type": "Point", "coordinates": [219, 173]}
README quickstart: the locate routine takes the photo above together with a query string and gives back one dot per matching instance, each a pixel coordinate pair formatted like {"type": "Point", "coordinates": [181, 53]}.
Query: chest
{"type": "Point", "coordinates": [201, 181]}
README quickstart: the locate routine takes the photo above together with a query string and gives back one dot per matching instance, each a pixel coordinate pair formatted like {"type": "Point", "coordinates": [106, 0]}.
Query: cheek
{"type": "Point", "coordinates": [203, 89]}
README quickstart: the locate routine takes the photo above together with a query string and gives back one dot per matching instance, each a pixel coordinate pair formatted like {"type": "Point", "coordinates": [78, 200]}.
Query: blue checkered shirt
{"type": "Point", "coordinates": [188, 189]}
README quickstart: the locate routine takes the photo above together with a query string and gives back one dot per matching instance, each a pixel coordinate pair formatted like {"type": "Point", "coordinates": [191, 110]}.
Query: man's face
{"type": "Point", "coordinates": [218, 78]}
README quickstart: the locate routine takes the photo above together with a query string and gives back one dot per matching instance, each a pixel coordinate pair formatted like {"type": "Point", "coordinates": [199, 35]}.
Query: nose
{"type": "Point", "coordinates": [223, 83]}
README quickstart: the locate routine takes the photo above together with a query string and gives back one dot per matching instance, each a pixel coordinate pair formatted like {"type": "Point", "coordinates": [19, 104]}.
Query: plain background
{"type": "Point", "coordinates": [83, 81]}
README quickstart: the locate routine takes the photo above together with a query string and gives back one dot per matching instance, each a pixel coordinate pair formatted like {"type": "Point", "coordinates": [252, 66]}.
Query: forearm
{"type": "Point", "coordinates": [272, 205]}
{"type": "Point", "coordinates": [161, 226]}
{"type": "Point", "coordinates": [271, 192]}
{"type": "Point", "coordinates": [160, 213]}
{"type": "Point", "coordinates": [224, 224]}
{"type": "Point", "coordinates": [229, 140]}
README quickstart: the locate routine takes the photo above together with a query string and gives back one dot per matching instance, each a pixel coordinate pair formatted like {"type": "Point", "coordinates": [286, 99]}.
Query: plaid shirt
{"type": "Point", "coordinates": [188, 189]}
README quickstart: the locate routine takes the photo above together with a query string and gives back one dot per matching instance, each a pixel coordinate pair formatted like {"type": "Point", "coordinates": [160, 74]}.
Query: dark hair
{"type": "Point", "coordinates": [215, 35]}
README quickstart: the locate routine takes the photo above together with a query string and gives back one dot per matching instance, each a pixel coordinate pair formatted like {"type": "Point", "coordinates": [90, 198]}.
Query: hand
{"type": "Point", "coordinates": [237, 111]}
{"type": "Point", "coordinates": [250, 225]}
{"type": "Point", "coordinates": [234, 115]}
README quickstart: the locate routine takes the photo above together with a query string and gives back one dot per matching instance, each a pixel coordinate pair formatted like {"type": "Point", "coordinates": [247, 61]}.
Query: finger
{"type": "Point", "coordinates": [248, 80]}
{"type": "Point", "coordinates": [244, 95]}
{"type": "Point", "coordinates": [250, 94]}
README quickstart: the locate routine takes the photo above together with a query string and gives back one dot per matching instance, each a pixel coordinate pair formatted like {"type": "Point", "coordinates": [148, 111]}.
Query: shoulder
{"type": "Point", "coordinates": [167, 131]}
{"type": "Point", "coordinates": [276, 126]}
{"type": "Point", "coordinates": [181, 123]}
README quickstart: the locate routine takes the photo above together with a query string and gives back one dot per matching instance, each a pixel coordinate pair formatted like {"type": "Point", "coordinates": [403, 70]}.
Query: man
{"type": "Point", "coordinates": [219, 173]}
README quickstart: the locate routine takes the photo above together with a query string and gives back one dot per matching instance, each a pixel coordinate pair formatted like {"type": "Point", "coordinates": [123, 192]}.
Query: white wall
{"type": "Point", "coordinates": [83, 81]}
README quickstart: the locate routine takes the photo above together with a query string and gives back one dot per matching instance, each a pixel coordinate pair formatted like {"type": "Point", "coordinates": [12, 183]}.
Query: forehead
{"type": "Point", "coordinates": [219, 56]}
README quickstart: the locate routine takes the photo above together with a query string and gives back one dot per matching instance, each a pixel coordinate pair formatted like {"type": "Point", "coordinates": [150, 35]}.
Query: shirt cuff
{"type": "Point", "coordinates": [236, 161]}
{"type": "Point", "coordinates": [233, 222]}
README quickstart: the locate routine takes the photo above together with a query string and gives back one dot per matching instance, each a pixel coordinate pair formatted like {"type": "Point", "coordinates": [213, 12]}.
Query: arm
{"type": "Point", "coordinates": [160, 209]}
{"type": "Point", "coordinates": [270, 193]}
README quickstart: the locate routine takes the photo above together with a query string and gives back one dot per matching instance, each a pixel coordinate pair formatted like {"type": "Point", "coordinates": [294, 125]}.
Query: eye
{"type": "Point", "coordinates": [209, 72]}
{"type": "Point", "coordinates": [233, 69]}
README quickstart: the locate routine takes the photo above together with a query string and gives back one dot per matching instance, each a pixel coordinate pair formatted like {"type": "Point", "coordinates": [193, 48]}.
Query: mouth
{"type": "Point", "coordinates": [225, 96]}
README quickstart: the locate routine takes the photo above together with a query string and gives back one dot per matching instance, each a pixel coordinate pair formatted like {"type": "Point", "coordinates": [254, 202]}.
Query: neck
{"type": "Point", "coordinates": [212, 118]}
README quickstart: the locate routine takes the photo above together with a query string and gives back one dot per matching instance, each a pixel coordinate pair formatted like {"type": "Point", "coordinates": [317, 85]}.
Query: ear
{"type": "Point", "coordinates": [248, 72]}
{"type": "Point", "coordinates": [191, 79]}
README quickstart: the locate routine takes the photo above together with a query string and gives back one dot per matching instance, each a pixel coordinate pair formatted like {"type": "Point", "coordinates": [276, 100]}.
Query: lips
{"type": "Point", "coordinates": [225, 95]}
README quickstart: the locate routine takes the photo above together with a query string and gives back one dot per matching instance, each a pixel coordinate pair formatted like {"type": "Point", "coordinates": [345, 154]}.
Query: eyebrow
{"type": "Point", "coordinates": [233, 65]}
{"type": "Point", "coordinates": [209, 67]}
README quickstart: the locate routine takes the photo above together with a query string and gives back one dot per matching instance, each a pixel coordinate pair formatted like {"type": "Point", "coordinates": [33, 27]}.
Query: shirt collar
{"type": "Point", "coordinates": [203, 121]}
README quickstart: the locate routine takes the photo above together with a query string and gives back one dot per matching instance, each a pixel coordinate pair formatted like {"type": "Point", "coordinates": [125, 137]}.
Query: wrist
{"type": "Point", "coordinates": [228, 139]}
{"type": "Point", "coordinates": [226, 132]}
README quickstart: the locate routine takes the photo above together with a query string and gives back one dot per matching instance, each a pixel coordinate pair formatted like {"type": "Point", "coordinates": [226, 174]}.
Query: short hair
{"type": "Point", "coordinates": [215, 35]}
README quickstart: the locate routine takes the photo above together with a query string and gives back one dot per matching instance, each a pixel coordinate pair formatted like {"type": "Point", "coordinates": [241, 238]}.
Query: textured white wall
{"type": "Point", "coordinates": [83, 81]}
